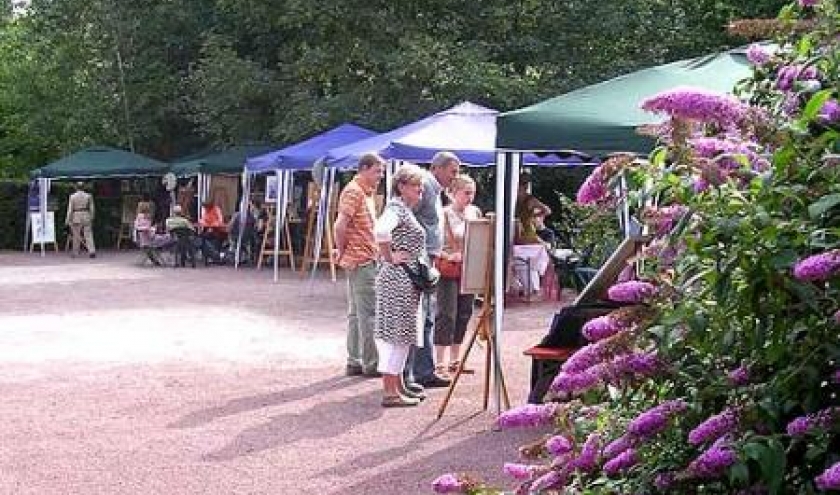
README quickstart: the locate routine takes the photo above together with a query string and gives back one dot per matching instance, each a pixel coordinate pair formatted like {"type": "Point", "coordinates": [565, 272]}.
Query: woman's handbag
{"type": "Point", "coordinates": [449, 269]}
{"type": "Point", "coordinates": [425, 278]}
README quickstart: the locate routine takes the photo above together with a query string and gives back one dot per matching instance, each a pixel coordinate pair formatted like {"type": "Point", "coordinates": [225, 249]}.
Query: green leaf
{"type": "Point", "coordinates": [815, 103]}
{"type": "Point", "coordinates": [823, 204]}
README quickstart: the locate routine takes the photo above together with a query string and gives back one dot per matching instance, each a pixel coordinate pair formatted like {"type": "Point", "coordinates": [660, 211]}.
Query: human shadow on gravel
{"type": "Point", "coordinates": [324, 420]}
{"type": "Point", "coordinates": [252, 403]}
{"type": "Point", "coordinates": [482, 456]}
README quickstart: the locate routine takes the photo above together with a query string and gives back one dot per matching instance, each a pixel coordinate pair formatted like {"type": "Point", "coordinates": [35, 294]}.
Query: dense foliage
{"type": "Point", "coordinates": [722, 373]}
{"type": "Point", "coordinates": [166, 78]}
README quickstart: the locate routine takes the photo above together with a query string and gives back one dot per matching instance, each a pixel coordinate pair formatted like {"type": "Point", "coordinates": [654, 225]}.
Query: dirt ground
{"type": "Point", "coordinates": [117, 378]}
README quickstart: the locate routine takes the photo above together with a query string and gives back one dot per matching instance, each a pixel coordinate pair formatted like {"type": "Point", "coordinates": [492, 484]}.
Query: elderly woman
{"type": "Point", "coordinates": [401, 240]}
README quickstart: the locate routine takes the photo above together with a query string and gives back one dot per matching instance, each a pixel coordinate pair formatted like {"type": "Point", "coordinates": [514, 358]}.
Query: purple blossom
{"type": "Point", "coordinates": [621, 463]}
{"type": "Point", "coordinates": [643, 364]}
{"type": "Point", "coordinates": [697, 104]}
{"type": "Point", "coordinates": [713, 462]}
{"type": "Point", "coordinates": [790, 74]}
{"type": "Point", "coordinates": [633, 291]}
{"type": "Point", "coordinates": [558, 445]}
{"type": "Point", "coordinates": [818, 267]}
{"type": "Point", "coordinates": [821, 419]}
{"type": "Point", "coordinates": [666, 217]}
{"type": "Point", "coordinates": [601, 327]}
{"type": "Point", "coordinates": [728, 152]}
{"type": "Point", "coordinates": [528, 415]}
{"type": "Point", "coordinates": [585, 358]}
{"type": "Point", "coordinates": [830, 478]}
{"type": "Point", "coordinates": [577, 381]}
{"type": "Point", "coordinates": [648, 424]}
{"type": "Point", "coordinates": [588, 458]}
{"type": "Point", "coordinates": [551, 479]}
{"type": "Point", "coordinates": [835, 377]}
{"type": "Point", "coordinates": [594, 189]}
{"type": "Point", "coordinates": [740, 376]}
{"type": "Point", "coordinates": [758, 55]}
{"type": "Point", "coordinates": [808, 3]}
{"type": "Point", "coordinates": [714, 427]}
{"type": "Point", "coordinates": [829, 112]}
{"type": "Point", "coordinates": [449, 483]}
{"type": "Point", "coordinates": [618, 446]}
{"type": "Point", "coordinates": [664, 481]}
{"type": "Point", "coordinates": [520, 472]}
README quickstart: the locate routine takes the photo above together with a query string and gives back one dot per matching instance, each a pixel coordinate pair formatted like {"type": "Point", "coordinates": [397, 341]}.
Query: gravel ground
{"type": "Point", "coordinates": [118, 378]}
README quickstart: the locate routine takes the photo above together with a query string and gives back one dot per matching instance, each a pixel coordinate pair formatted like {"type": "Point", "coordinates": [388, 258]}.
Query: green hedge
{"type": "Point", "coordinates": [13, 215]}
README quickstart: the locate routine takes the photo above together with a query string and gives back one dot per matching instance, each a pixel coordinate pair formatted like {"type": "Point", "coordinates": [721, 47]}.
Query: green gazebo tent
{"type": "Point", "coordinates": [101, 162]}
{"type": "Point", "coordinates": [230, 161]}
{"type": "Point", "coordinates": [603, 118]}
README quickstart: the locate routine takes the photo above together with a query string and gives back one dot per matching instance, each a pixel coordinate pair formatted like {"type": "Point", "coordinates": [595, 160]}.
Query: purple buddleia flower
{"type": "Point", "coordinates": [835, 377]}
{"type": "Point", "coordinates": [551, 479]}
{"type": "Point", "coordinates": [829, 112]}
{"type": "Point", "coordinates": [637, 364]}
{"type": "Point", "coordinates": [664, 481]}
{"type": "Point", "coordinates": [818, 267]}
{"type": "Point", "coordinates": [829, 479]}
{"type": "Point", "coordinates": [577, 381]}
{"type": "Point", "coordinates": [713, 462]}
{"type": "Point", "coordinates": [633, 291]}
{"type": "Point", "coordinates": [588, 457]}
{"type": "Point", "coordinates": [449, 483]}
{"type": "Point", "coordinates": [594, 189]}
{"type": "Point", "coordinates": [714, 427]}
{"type": "Point", "coordinates": [521, 472]}
{"type": "Point", "coordinates": [585, 358]}
{"type": "Point", "coordinates": [618, 446]}
{"type": "Point", "coordinates": [558, 445]}
{"type": "Point", "coordinates": [728, 153]}
{"type": "Point", "coordinates": [821, 419]}
{"type": "Point", "coordinates": [528, 415]}
{"type": "Point", "coordinates": [790, 74]}
{"type": "Point", "coordinates": [808, 3]}
{"type": "Point", "coordinates": [622, 462]}
{"type": "Point", "coordinates": [758, 55]}
{"type": "Point", "coordinates": [648, 424]}
{"type": "Point", "coordinates": [697, 104]}
{"type": "Point", "coordinates": [601, 328]}
{"type": "Point", "coordinates": [740, 376]}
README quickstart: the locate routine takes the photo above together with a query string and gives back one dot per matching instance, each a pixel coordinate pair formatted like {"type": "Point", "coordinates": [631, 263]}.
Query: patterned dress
{"type": "Point", "coordinates": [398, 316]}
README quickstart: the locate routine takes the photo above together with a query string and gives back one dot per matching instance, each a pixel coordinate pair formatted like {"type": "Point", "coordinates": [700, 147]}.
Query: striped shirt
{"type": "Point", "coordinates": [358, 203]}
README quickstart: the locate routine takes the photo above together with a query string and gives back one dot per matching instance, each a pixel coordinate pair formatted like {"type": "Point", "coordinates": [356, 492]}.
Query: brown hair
{"type": "Point", "coordinates": [368, 160]}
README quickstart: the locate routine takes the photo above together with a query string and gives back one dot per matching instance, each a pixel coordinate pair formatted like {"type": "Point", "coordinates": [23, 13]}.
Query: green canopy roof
{"type": "Point", "coordinates": [101, 162]}
{"type": "Point", "coordinates": [229, 161]}
{"type": "Point", "coordinates": [603, 118]}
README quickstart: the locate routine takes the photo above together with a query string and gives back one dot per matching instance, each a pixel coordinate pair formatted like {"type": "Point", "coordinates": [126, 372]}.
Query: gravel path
{"type": "Point", "coordinates": [122, 379]}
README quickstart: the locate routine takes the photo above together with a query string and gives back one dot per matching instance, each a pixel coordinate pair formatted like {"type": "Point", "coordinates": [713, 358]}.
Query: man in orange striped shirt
{"type": "Point", "coordinates": [356, 252]}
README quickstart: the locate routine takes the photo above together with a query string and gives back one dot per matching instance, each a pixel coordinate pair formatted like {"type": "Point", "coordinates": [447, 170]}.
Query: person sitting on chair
{"type": "Point", "coordinates": [213, 230]}
{"type": "Point", "coordinates": [178, 221]}
{"type": "Point", "coordinates": [184, 231]}
{"type": "Point", "coordinates": [531, 213]}
{"type": "Point", "coordinates": [255, 219]}
{"type": "Point", "coordinates": [144, 232]}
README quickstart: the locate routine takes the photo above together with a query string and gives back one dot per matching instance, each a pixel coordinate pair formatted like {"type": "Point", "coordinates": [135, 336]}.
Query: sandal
{"type": "Point", "coordinates": [398, 401]}
{"type": "Point", "coordinates": [442, 371]}
{"type": "Point", "coordinates": [453, 368]}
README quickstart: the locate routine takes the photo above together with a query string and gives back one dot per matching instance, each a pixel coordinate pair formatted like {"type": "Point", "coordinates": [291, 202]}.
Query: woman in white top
{"type": "Point", "coordinates": [401, 240]}
{"type": "Point", "coordinates": [453, 308]}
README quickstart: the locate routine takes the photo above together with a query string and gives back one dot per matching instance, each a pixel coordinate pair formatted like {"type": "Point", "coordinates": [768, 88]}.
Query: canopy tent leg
{"type": "Point", "coordinates": [244, 203]}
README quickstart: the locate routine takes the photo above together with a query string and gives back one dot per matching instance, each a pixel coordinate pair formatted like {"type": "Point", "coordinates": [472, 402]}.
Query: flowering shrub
{"type": "Point", "coordinates": [722, 377]}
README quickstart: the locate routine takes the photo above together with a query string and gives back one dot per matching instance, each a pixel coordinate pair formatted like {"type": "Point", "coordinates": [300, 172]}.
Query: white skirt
{"type": "Point", "coordinates": [392, 357]}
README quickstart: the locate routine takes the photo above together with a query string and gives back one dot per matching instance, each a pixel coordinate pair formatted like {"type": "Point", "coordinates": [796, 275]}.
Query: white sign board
{"type": "Point", "coordinates": [42, 233]}
{"type": "Point", "coordinates": [271, 189]}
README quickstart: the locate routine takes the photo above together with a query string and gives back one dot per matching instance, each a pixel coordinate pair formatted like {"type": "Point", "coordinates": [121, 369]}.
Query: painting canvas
{"type": "Point", "coordinates": [478, 256]}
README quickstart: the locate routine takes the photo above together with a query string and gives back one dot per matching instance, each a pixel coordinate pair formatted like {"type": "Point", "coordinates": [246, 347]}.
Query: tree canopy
{"type": "Point", "coordinates": [165, 78]}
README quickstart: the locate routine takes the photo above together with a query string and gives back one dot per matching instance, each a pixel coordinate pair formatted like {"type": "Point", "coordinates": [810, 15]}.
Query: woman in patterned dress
{"type": "Point", "coordinates": [401, 239]}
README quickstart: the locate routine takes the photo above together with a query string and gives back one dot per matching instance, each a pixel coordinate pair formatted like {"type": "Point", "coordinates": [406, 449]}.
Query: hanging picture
{"type": "Point", "coordinates": [43, 232]}
{"type": "Point", "coordinates": [271, 189]}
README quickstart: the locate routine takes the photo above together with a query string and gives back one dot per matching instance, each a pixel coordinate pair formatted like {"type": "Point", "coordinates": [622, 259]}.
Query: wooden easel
{"type": "Point", "coordinates": [328, 241]}
{"type": "Point", "coordinates": [267, 245]}
{"type": "Point", "coordinates": [483, 331]}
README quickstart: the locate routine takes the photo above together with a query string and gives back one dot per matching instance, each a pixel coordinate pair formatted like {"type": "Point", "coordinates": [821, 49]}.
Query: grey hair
{"type": "Point", "coordinates": [441, 158]}
{"type": "Point", "coordinates": [406, 174]}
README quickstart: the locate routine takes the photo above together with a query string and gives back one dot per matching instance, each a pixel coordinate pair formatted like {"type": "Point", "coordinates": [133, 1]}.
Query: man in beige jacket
{"type": "Point", "coordinates": [80, 212]}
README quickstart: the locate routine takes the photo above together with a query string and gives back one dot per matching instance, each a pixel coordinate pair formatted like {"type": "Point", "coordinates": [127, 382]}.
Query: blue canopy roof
{"type": "Point", "coordinates": [302, 156]}
{"type": "Point", "coordinates": [467, 129]}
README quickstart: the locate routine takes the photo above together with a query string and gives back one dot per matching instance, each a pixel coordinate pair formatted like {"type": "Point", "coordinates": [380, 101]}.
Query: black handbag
{"type": "Point", "coordinates": [425, 278]}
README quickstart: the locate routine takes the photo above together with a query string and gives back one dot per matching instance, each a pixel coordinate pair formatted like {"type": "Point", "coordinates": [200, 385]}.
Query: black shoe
{"type": "Point", "coordinates": [435, 381]}
{"type": "Point", "coordinates": [413, 387]}
{"type": "Point", "coordinates": [353, 370]}
{"type": "Point", "coordinates": [413, 395]}
{"type": "Point", "coordinates": [372, 374]}
{"type": "Point", "coordinates": [92, 255]}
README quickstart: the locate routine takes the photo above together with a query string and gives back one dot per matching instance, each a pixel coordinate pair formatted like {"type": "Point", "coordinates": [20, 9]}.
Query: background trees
{"type": "Point", "coordinates": [166, 77]}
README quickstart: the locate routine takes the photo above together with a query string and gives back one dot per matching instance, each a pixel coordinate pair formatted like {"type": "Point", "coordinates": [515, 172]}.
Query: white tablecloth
{"type": "Point", "coordinates": [535, 257]}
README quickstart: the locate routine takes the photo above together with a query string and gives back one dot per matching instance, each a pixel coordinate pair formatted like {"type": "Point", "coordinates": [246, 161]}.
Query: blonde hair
{"type": "Point", "coordinates": [144, 207]}
{"type": "Point", "coordinates": [406, 174]}
{"type": "Point", "coordinates": [461, 181]}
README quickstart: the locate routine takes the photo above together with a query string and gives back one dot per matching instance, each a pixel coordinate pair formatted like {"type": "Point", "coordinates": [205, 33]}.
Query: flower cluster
{"type": "Point", "coordinates": [594, 189]}
{"type": "Point", "coordinates": [714, 427]}
{"type": "Point", "coordinates": [818, 267]}
{"type": "Point", "coordinates": [633, 291]}
{"type": "Point", "coordinates": [697, 104]}
{"type": "Point", "coordinates": [528, 415]}
{"type": "Point", "coordinates": [654, 420]}
{"type": "Point", "coordinates": [830, 478]}
{"type": "Point", "coordinates": [713, 462]}
{"type": "Point", "coordinates": [620, 463]}
{"type": "Point", "coordinates": [740, 376]}
{"type": "Point", "coordinates": [791, 74]}
{"type": "Point", "coordinates": [453, 483]}
{"type": "Point", "coordinates": [820, 419]}
{"type": "Point", "coordinates": [665, 218]}
{"type": "Point", "coordinates": [602, 327]}
{"type": "Point", "coordinates": [758, 55]}
{"type": "Point", "coordinates": [728, 153]}
{"type": "Point", "coordinates": [558, 445]}
{"type": "Point", "coordinates": [829, 112]}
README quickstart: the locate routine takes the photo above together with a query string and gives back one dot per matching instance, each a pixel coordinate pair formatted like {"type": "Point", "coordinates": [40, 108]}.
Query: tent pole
{"type": "Point", "coordinates": [321, 222]}
{"type": "Point", "coordinates": [277, 213]}
{"type": "Point", "coordinates": [44, 191]}
{"type": "Point", "coordinates": [243, 205]}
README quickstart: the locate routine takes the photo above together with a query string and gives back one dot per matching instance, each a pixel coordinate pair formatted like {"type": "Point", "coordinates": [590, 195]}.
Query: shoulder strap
{"type": "Point", "coordinates": [449, 234]}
